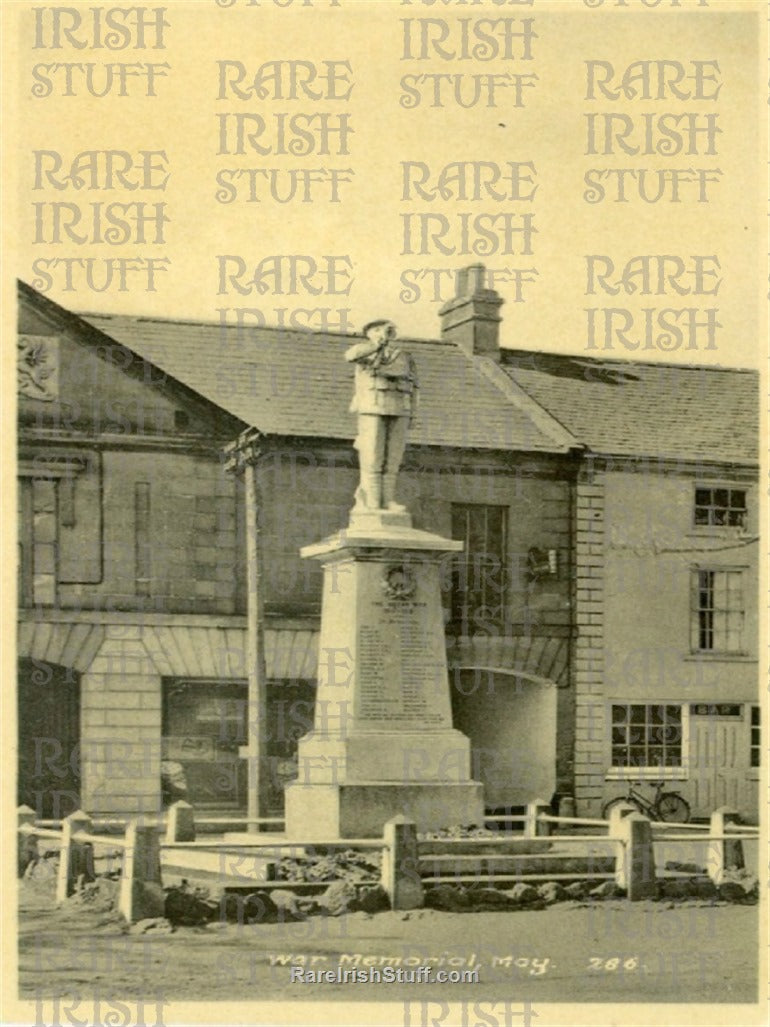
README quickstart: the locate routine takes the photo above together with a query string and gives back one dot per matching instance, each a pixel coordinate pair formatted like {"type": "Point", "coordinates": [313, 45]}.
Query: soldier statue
{"type": "Point", "coordinates": [385, 400]}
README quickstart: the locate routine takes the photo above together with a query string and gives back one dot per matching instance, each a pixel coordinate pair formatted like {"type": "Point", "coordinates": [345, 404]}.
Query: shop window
{"type": "Point", "coordinates": [204, 726]}
{"type": "Point", "coordinates": [646, 735]}
{"type": "Point", "coordinates": [718, 614]}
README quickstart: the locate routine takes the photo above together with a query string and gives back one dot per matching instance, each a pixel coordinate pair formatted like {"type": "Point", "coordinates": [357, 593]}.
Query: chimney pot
{"type": "Point", "coordinates": [471, 319]}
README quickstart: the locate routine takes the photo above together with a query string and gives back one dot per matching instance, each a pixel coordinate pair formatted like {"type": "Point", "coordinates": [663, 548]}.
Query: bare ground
{"type": "Point", "coordinates": [612, 951]}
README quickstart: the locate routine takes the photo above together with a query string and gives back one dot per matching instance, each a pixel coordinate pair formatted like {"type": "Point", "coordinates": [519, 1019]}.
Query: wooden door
{"type": "Point", "coordinates": [49, 738]}
{"type": "Point", "coordinates": [719, 757]}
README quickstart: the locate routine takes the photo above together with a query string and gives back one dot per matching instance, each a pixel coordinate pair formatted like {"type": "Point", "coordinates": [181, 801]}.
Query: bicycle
{"type": "Point", "coordinates": [667, 806]}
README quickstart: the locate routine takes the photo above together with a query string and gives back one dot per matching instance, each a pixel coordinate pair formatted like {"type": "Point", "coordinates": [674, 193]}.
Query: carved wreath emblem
{"type": "Point", "coordinates": [37, 367]}
{"type": "Point", "coordinates": [399, 582]}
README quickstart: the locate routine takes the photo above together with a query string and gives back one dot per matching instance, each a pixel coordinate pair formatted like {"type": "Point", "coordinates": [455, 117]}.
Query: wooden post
{"type": "Point", "coordinates": [242, 457]}
{"type": "Point", "coordinates": [75, 858]}
{"type": "Point", "coordinates": [618, 813]}
{"type": "Point", "coordinates": [534, 828]}
{"type": "Point", "coordinates": [635, 864]}
{"type": "Point", "coordinates": [141, 894]}
{"type": "Point", "coordinates": [400, 864]}
{"type": "Point", "coordinates": [724, 854]}
{"type": "Point", "coordinates": [180, 825]}
{"type": "Point", "coordinates": [27, 843]}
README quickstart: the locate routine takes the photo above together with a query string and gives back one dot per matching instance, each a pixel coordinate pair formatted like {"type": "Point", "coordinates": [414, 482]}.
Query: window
{"type": "Point", "coordinates": [718, 611]}
{"type": "Point", "coordinates": [755, 750]}
{"type": "Point", "coordinates": [142, 565]}
{"type": "Point", "coordinates": [478, 573]}
{"type": "Point", "coordinates": [646, 735]}
{"type": "Point", "coordinates": [204, 725]}
{"type": "Point", "coordinates": [718, 506]}
{"type": "Point", "coordinates": [26, 523]}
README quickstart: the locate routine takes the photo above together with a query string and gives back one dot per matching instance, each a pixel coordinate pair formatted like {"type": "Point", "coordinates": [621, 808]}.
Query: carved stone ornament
{"type": "Point", "coordinates": [399, 582]}
{"type": "Point", "coordinates": [37, 367]}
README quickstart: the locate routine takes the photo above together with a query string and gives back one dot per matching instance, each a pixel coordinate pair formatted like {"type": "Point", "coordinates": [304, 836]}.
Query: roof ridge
{"type": "Point", "coordinates": [630, 361]}
{"type": "Point", "coordinates": [514, 393]}
{"type": "Point", "coordinates": [283, 329]}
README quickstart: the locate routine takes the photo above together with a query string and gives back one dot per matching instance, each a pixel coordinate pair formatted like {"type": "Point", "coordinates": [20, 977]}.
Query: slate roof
{"type": "Point", "coordinates": [627, 408]}
{"type": "Point", "coordinates": [297, 383]}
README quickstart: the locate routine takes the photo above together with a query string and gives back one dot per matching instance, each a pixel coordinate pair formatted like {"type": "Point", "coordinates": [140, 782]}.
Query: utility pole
{"type": "Point", "coordinates": [242, 457]}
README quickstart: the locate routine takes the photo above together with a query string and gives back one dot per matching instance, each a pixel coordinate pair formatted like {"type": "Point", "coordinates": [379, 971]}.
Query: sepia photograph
{"type": "Point", "coordinates": [385, 596]}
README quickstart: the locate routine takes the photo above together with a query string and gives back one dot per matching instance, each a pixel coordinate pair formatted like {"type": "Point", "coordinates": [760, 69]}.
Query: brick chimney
{"type": "Point", "coordinates": [472, 319]}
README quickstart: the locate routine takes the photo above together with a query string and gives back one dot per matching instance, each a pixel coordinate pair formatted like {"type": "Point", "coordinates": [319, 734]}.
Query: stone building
{"type": "Point", "coordinates": [666, 556]}
{"type": "Point", "coordinates": [134, 615]}
{"type": "Point", "coordinates": [601, 623]}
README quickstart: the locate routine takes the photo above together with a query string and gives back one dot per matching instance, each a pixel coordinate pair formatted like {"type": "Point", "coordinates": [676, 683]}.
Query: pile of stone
{"type": "Point", "coordinates": [454, 898]}
{"type": "Point", "coordinates": [343, 865]}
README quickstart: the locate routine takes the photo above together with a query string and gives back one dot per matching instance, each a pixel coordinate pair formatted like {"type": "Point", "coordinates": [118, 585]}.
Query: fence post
{"type": "Point", "coordinates": [75, 858]}
{"type": "Point", "coordinates": [27, 843]}
{"type": "Point", "coordinates": [727, 853]}
{"type": "Point", "coordinates": [141, 894]}
{"type": "Point", "coordinates": [532, 827]}
{"type": "Point", "coordinates": [180, 826]}
{"type": "Point", "coordinates": [618, 813]}
{"type": "Point", "coordinates": [635, 864]}
{"type": "Point", "coordinates": [400, 864]}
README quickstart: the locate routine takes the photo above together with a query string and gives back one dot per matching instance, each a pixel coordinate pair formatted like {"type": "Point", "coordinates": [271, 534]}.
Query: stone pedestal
{"type": "Point", "coordinates": [382, 742]}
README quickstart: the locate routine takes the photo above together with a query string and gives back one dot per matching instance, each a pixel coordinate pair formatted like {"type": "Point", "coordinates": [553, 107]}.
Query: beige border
{"type": "Point", "coordinates": [204, 30]}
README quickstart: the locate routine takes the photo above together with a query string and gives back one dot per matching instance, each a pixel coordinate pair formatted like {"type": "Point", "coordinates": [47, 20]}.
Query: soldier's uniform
{"type": "Point", "coordinates": [384, 399]}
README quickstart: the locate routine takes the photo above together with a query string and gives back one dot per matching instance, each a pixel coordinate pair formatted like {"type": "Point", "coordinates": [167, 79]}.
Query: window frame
{"type": "Point", "coordinates": [696, 624]}
{"type": "Point", "coordinates": [755, 769]}
{"type": "Point", "coordinates": [238, 741]}
{"type": "Point", "coordinates": [712, 487]}
{"type": "Point", "coordinates": [463, 563]}
{"type": "Point", "coordinates": [648, 772]}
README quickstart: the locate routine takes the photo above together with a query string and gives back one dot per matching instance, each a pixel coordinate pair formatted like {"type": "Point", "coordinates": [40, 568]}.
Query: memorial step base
{"type": "Point", "coordinates": [361, 810]}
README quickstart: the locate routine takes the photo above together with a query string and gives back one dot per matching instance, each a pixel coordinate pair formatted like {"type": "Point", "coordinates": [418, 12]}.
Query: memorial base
{"type": "Point", "coordinates": [382, 741]}
{"type": "Point", "coordinates": [318, 812]}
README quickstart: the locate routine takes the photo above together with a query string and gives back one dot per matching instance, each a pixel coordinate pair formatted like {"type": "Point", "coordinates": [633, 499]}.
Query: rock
{"type": "Point", "coordinates": [704, 889]}
{"type": "Point", "coordinates": [606, 890]}
{"type": "Point", "coordinates": [231, 907]}
{"type": "Point", "coordinates": [373, 899]}
{"type": "Point", "coordinates": [448, 897]}
{"type": "Point", "coordinates": [523, 894]}
{"type": "Point", "coordinates": [739, 886]}
{"type": "Point", "coordinates": [259, 908]}
{"type": "Point", "coordinates": [155, 925]}
{"type": "Point", "coordinates": [687, 868]}
{"type": "Point", "coordinates": [184, 908]}
{"type": "Point", "coordinates": [340, 897]}
{"type": "Point", "coordinates": [489, 898]}
{"type": "Point", "coordinates": [576, 890]}
{"type": "Point", "coordinates": [677, 889]}
{"type": "Point", "coordinates": [288, 907]}
{"type": "Point", "coordinates": [307, 905]}
{"type": "Point", "coordinates": [100, 895]}
{"type": "Point", "coordinates": [43, 870]}
{"type": "Point", "coordinates": [552, 891]}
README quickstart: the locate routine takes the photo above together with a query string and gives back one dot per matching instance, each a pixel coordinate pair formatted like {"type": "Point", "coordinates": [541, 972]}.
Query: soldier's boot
{"type": "Point", "coordinates": [389, 494]}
